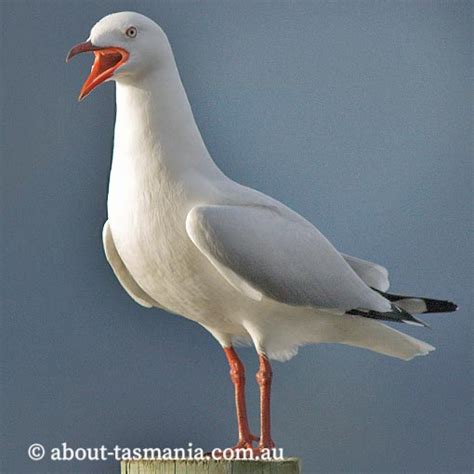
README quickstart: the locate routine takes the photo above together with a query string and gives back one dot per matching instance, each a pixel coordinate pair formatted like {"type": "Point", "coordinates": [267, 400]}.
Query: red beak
{"type": "Point", "coordinates": [106, 62]}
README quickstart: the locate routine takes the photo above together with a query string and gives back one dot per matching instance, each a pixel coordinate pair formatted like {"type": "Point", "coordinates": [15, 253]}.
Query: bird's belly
{"type": "Point", "coordinates": [164, 262]}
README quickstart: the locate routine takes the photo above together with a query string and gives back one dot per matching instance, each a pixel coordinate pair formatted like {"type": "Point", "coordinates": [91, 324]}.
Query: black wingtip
{"type": "Point", "coordinates": [416, 322]}
{"type": "Point", "coordinates": [397, 315]}
{"type": "Point", "coordinates": [437, 306]}
{"type": "Point", "coordinates": [432, 306]}
{"type": "Point", "coordinates": [408, 318]}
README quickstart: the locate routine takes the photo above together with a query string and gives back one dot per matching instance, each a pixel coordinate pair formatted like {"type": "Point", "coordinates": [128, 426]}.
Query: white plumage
{"type": "Point", "coordinates": [184, 237]}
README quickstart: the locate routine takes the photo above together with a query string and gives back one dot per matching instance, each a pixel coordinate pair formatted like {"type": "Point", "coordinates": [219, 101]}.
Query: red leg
{"type": "Point", "coordinates": [237, 375]}
{"type": "Point", "coordinates": [264, 380]}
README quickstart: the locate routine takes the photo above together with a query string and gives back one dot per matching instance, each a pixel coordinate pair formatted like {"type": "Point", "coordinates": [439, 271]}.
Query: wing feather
{"type": "Point", "coordinates": [122, 273]}
{"type": "Point", "coordinates": [272, 252]}
{"type": "Point", "coordinates": [372, 274]}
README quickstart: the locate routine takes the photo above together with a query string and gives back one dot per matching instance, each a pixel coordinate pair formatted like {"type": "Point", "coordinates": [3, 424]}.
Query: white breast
{"type": "Point", "coordinates": [147, 213]}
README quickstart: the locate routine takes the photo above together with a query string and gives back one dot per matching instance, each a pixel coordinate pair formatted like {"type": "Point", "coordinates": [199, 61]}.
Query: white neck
{"type": "Point", "coordinates": [155, 124]}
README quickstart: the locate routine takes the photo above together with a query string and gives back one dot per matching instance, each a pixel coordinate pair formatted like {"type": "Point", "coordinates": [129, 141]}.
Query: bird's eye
{"type": "Point", "coordinates": [131, 32]}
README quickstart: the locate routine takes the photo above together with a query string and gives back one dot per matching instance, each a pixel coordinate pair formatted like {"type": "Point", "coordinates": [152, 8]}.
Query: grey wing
{"type": "Point", "coordinates": [122, 273]}
{"type": "Point", "coordinates": [273, 252]}
{"type": "Point", "coordinates": [372, 274]}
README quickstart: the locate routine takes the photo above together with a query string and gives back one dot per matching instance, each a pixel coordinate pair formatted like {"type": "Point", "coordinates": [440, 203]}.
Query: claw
{"type": "Point", "coordinates": [247, 442]}
{"type": "Point", "coordinates": [269, 444]}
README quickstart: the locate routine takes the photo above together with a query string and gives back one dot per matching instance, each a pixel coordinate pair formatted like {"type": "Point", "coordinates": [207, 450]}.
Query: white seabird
{"type": "Point", "coordinates": [184, 237]}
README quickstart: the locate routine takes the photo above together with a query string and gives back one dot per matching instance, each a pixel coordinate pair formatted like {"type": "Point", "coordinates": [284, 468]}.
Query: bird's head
{"type": "Point", "coordinates": [126, 45]}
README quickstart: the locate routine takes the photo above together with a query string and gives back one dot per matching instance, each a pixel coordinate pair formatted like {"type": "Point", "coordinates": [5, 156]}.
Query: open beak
{"type": "Point", "coordinates": [106, 62]}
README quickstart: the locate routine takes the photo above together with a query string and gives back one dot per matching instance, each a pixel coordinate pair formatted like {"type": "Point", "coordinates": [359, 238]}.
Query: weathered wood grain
{"type": "Point", "coordinates": [286, 466]}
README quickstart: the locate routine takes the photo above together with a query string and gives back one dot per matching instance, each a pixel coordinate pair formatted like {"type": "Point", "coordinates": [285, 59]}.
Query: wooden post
{"type": "Point", "coordinates": [285, 466]}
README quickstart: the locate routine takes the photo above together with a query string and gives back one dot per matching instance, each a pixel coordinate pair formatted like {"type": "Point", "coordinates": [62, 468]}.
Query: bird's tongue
{"type": "Point", "coordinates": [106, 61]}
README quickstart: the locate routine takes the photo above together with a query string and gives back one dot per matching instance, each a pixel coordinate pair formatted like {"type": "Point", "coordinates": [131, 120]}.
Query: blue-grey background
{"type": "Point", "coordinates": [356, 114]}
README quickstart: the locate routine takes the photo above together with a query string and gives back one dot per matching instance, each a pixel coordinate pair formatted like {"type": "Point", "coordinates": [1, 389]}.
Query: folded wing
{"type": "Point", "coordinates": [122, 273]}
{"type": "Point", "coordinates": [273, 252]}
{"type": "Point", "coordinates": [372, 274]}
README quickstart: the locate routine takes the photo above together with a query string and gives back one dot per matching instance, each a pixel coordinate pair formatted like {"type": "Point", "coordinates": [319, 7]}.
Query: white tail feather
{"type": "Point", "coordinates": [342, 329]}
{"type": "Point", "coordinates": [378, 337]}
